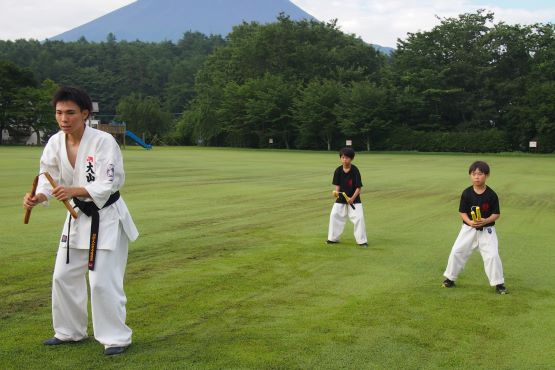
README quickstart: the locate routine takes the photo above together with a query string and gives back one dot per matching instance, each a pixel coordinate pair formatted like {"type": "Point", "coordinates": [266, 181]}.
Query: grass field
{"type": "Point", "coordinates": [231, 270]}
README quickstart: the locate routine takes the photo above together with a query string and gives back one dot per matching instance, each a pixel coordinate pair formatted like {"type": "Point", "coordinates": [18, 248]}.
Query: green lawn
{"type": "Point", "coordinates": [231, 270]}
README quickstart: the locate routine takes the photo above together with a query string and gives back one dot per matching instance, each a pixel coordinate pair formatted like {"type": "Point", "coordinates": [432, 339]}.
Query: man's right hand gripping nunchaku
{"type": "Point", "coordinates": [59, 192]}
{"type": "Point", "coordinates": [337, 194]}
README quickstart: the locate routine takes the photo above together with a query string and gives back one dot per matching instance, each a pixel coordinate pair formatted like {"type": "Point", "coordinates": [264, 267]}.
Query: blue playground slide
{"type": "Point", "coordinates": [137, 139]}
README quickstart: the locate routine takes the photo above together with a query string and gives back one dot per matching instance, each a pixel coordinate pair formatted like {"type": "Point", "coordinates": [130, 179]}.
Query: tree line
{"type": "Point", "coordinates": [468, 84]}
{"type": "Point", "coordinates": [152, 81]}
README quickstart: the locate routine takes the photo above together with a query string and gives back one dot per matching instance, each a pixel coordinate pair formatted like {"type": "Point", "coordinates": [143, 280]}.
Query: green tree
{"type": "Point", "coordinates": [258, 110]}
{"type": "Point", "coordinates": [268, 109]}
{"type": "Point", "coordinates": [297, 50]}
{"type": "Point", "coordinates": [33, 111]}
{"type": "Point", "coordinates": [252, 80]}
{"type": "Point", "coordinates": [200, 120]}
{"type": "Point", "coordinates": [111, 70]}
{"type": "Point", "coordinates": [540, 97]}
{"type": "Point", "coordinates": [447, 67]}
{"type": "Point", "coordinates": [143, 115]}
{"type": "Point", "coordinates": [231, 116]}
{"type": "Point", "coordinates": [314, 112]}
{"type": "Point", "coordinates": [14, 83]}
{"type": "Point", "coordinates": [364, 111]}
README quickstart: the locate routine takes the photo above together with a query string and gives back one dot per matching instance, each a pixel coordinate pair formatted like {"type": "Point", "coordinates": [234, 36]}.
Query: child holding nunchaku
{"type": "Point", "coordinates": [348, 184]}
{"type": "Point", "coordinates": [479, 209]}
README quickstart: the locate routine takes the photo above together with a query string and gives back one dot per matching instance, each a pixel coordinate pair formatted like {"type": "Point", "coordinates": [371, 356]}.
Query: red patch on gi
{"type": "Point", "coordinates": [90, 158]}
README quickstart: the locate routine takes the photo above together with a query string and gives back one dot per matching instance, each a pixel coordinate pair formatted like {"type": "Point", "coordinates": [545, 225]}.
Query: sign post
{"type": "Point", "coordinates": [533, 145]}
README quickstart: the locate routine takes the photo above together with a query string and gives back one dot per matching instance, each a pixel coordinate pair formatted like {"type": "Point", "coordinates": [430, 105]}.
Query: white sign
{"type": "Point", "coordinates": [95, 107]}
{"type": "Point", "coordinates": [349, 142]}
{"type": "Point", "coordinates": [533, 144]}
{"type": "Point", "coordinates": [271, 141]}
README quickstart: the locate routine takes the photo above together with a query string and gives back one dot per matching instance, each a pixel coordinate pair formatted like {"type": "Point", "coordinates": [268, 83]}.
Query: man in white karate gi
{"type": "Point", "coordinates": [87, 165]}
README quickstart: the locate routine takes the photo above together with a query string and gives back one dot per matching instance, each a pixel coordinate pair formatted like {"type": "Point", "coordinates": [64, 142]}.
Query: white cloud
{"type": "Point", "coordinates": [382, 22]}
{"type": "Point", "coordinates": [41, 19]}
{"type": "Point", "coordinates": [522, 16]}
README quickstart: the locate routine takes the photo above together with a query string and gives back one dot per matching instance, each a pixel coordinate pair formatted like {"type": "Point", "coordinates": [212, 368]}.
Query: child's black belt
{"type": "Point", "coordinates": [90, 209]}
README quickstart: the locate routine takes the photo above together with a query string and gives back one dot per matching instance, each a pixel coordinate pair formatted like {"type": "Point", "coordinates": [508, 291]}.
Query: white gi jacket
{"type": "Point", "coordinates": [99, 169]}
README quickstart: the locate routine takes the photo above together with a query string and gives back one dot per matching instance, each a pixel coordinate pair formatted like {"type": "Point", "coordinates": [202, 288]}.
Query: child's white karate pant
{"type": "Point", "coordinates": [338, 217]}
{"type": "Point", "coordinates": [69, 295]}
{"type": "Point", "coordinates": [468, 240]}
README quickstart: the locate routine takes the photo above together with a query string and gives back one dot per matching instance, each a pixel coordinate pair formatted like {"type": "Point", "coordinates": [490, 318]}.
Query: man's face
{"type": "Point", "coordinates": [70, 117]}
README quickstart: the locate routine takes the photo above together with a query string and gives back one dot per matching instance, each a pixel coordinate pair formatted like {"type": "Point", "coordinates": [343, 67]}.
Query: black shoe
{"type": "Point", "coordinates": [500, 288]}
{"type": "Point", "coordinates": [363, 245]}
{"type": "Point", "coordinates": [331, 242]}
{"type": "Point", "coordinates": [56, 342]}
{"type": "Point", "coordinates": [448, 283]}
{"type": "Point", "coordinates": [110, 351]}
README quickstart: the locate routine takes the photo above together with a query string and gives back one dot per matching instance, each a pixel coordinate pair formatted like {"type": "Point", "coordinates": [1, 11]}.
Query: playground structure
{"type": "Point", "coordinates": [137, 139]}
{"type": "Point", "coordinates": [120, 132]}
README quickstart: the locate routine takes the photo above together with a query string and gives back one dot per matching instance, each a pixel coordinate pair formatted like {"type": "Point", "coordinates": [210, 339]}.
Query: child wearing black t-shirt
{"type": "Point", "coordinates": [346, 178]}
{"type": "Point", "coordinates": [479, 209]}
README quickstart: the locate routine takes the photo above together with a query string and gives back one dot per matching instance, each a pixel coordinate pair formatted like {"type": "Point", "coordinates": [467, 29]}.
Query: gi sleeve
{"type": "Point", "coordinates": [49, 162]}
{"type": "Point", "coordinates": [109, 175]}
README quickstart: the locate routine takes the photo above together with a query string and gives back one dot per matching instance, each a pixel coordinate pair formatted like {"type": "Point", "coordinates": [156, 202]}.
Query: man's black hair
{"type": "Point", "coordinates": [479, 165]}
{"type": "Point", "coordinates": [347, 152]}
{"type": "Point", "coordinates": [73, 94]}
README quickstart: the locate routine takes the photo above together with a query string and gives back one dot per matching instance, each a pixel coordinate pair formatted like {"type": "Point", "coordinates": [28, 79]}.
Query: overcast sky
{"type": "Point", "coordinates": [376, 21]}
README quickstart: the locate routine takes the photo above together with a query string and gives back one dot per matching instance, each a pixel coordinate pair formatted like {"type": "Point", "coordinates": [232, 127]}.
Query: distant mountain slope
{"type": "Point", "coordinates": [384, 49]}
{"type": "Point", "coordinates": [158, 20]}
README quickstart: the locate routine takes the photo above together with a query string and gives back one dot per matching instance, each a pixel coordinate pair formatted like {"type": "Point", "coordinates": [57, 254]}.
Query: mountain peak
{"type": "Point", "coordinates": [159, 20]}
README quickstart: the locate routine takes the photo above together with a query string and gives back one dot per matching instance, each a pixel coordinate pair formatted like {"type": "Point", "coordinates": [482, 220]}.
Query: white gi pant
{"type": "Point", "coordinates": [338, 217]}
{"type": "Point", "coordinates": [69, 295]}
{"type": "Point", "coordinates": [486, 242]}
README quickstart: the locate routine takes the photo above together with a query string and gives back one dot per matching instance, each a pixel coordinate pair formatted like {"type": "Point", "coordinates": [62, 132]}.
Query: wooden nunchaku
{"type": "Point", "coordinates": [33, 192]}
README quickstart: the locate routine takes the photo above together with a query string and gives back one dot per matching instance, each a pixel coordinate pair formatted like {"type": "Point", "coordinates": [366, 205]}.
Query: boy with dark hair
{"type": "Point", "coordinates": [88, 166]}
{"type": "Point", "coordinates": [347, 180]}
{"type": "Point", "coordinates": [73, 94]}
{"type": "Point", "coordinates": [479, 209]}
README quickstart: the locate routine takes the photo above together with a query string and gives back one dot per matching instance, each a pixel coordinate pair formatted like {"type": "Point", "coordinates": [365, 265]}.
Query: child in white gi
{"type": "Point", "coordinates": [346, 179]}
{"type": "Point", "coordinates": [479, 209]}
{"type": "Point", "coordinates": [88, 167]}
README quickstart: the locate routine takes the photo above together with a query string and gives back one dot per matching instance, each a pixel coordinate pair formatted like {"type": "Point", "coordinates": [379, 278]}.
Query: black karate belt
{"type": "Point", "coordinates": [91, 210]}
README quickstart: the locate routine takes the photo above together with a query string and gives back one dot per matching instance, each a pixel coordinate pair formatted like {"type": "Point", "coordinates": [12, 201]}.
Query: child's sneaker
{"type": "Point", "coordinates": [501, 289]}
{"type": "Point", "coordinates": [331, 242]}
{"type": "Point", "coordinates": [363, 245]}
{"type": "Point", "coordinates": [448, 283]}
